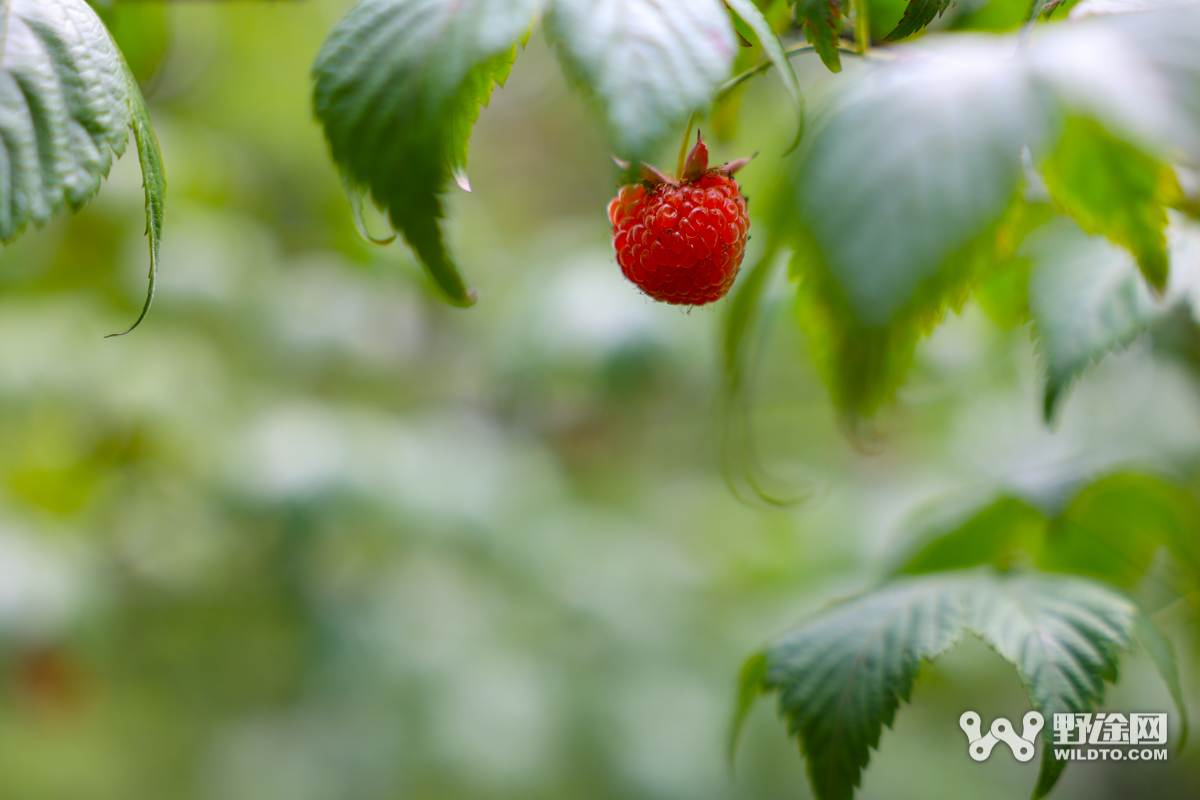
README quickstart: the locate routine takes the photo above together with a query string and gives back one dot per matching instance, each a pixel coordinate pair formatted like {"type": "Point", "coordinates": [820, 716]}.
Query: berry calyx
{"type": "Point", "coordinates": [682, 241]}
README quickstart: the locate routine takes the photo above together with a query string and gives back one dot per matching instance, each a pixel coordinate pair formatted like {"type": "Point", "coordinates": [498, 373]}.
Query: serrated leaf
{"type": "Point", "coordinates": [1111, 188]}
{"type": "Point", "coordinates": [822, 24]}
{"type": "Point", "coordinates": [1086, 300]}
{"type": "Point", "coordinates": [154, 182]}
{"type": "Point", "coordinates": [842, 675]}
{"type": "Point", "coordinates": [394, 85]}
{"type": "Point", "coordinates": [1063, 636]}
{"type": "Point", "coordinates": [918, 14]}
{"type": "Point", "coordinates": [463, 111]}
{"type": "Point", "coordinates": [64, 109]}
{"type": "Point", "coordinates": [749, 13]}
{"type": "Point", "coordinates": [648, 64]}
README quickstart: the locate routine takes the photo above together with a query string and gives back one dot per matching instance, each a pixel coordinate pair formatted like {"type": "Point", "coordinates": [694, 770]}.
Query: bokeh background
{"type": "Point", "coordinates": [310, 534]}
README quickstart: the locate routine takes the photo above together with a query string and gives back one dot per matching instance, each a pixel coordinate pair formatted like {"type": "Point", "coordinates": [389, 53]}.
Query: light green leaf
{"type": "Point", "coordinates": [750, 14]}
{"type": "Point", "coordinates": [1086, 300]}
{"type": "Point", "coordinates": [822, 24]}
{"type": "Point", "coordinates": [751, 684]}
{"type": "Point", "coordinates": [647, 63]}
{"type": "Point", "coordinates": [1162, 653]}
{"type": "Point", "coordinates": [65, 109]}
{"type": "Point", "coordinates": [1063, 636]}
{"type": "Point", "coordinates": [397, 86]}
{"type": "Point", "coordinates": [841, 676]}
{"type": "Point", "coordinates": [154, 181]}
{"type": "Point", "coordinates": [1111, 188]}
{"type": "Point", "coordinates": [995, 535]}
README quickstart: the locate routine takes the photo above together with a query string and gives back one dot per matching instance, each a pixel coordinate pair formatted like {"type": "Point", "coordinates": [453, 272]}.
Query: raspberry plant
{"type": "Point", "coordinates": [1047, 173]}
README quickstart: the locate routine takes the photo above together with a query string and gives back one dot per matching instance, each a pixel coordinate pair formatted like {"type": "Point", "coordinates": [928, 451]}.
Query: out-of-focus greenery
{"type": "Point", "coordinates": [308, 533]}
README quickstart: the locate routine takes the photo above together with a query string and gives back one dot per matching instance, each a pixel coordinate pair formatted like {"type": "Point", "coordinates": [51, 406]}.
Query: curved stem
{"type": "Point", "coordinates": [765, 64]}
{"type": "Point", "coordinates": [683, 148]}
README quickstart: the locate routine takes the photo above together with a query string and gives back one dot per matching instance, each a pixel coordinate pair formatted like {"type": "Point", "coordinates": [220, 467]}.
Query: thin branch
{"type": "Point", "coordinates": [765, 64]}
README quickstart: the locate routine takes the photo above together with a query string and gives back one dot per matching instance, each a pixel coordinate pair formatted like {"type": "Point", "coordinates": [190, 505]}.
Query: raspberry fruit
{"type": "Point", "coordinates": [682, 241]}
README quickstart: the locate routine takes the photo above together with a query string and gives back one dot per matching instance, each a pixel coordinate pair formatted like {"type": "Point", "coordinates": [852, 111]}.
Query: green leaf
{"type": "Point", "coordinates": [154, 181]}
{"type": "Point", "coordinates": [1113, 189]}
{"type": "Point", "coordinates": [918, 14]}
{"type": "Point", "coordinates": [751, 684]}
{"type": "Point", "coordinates": [1159, 648]}
{"type": "Point", "coordinates": [822, 24]}
{"type": "Point", "coordinates": [750, 14]}
{"type": "Point", "coordinates": [1086, 300]}
{"type": "Point", "coordinates": [996, 535]}
{"type": "Point", "coordinates": [397, 87]}
{"type": "Point", "coordinates": [65, 109]}
{"type": "Point", "coordinates": [1062, 635]}
{"type": "Point", "coordinates": [646, 64]}
{"type": "Point", "coordinates": [842, 675]}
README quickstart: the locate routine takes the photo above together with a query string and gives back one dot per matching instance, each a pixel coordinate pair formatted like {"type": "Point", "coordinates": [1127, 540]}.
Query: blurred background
{"type": "Point", "coordinates": [308, 533]}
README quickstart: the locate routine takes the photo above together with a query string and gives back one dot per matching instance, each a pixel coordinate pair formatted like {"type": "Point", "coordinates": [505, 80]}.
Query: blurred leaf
{"type": "Point", "coordinates": [841, 676]}
{"type": "Point", "coordinates": [749, 13]}
{"type": "Point", "coordinates": [885, 15]}
{"type": "Point", "coordinates": [918, 14]}
{"type": "Point", "coordinates": [397, 87]}
{"type": "Point", "coordinates": [992, 536]}
{"type": "Point", "coordinates": [648, 65]}
{"type": "Point", "coordinates": [1004, 295]}
{"type": "Point", "coordinates": [991, 15]}
{"type": "Point", "coordinates": [751, 684]}
{"type": "Point", "coordinates": [1162, 653]}
{"type": "Point", "coordinates": [1086, 300]}
{"type": "Point", "coordinates": [906, 194]}
{"type": "Point", "coordinates": [822, 24]}
{"type": "Point", "coordinates": [1112, 189]}
{"type": "Point", "coordinates": [65, 109]}
{"type": "Point", "coordinates": [1062, 635]}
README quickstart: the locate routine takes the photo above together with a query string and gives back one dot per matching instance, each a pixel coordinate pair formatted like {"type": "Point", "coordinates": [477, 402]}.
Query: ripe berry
{"type": "Point", "coordinates": [682, 241]}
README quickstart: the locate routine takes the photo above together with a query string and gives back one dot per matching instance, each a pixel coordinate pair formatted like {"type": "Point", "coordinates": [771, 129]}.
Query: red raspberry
{"type": "Point", "coordinates": [682, 241]}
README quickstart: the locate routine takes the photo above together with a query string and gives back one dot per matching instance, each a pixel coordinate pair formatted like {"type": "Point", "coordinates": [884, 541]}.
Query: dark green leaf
{"type": "Point", "coordinates": [841, 676]}
{"type": "Point", "coordinates": [918, 14]}
{"type": "Point", "coordinates": [1113, 189]}
{"type": "Point", "coordinates": [822, 24]}
{"type": "Point", "coordinates": [1064, 637]}
{"type": "Point", "coordinates": [397, 85]}
{"type": "Point", "coordinates": [648, 66]}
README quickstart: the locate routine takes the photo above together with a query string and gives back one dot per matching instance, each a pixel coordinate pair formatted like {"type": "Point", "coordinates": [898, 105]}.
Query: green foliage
{"type": "Point", "coordinates": [842, 675]}
{"type": "Point", "coordinates": [648, 67]}
{"type": "Point", "coordinates": [1111, 188]}
{"type": "Point", "coordinates": [1109, 530]}
{"type": "Point", "coordinates": [69, 100]}
{"type": "Point", "coordinates": [1086, 299]}
{"type": "Point", "coordinates": [918, 14]}
{"type": "Point", "coordinates": [67, 109]}
{"type": "Point", "coordinates": [396, 86]}
{"type": "Point", "coordinates": [749, 13]}
{"type": "Point", "coordinates": [822, 24]}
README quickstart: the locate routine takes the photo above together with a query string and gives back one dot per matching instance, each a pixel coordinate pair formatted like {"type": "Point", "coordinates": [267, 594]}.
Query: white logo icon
{"type": "Point", "coordinates": [1002, 731]}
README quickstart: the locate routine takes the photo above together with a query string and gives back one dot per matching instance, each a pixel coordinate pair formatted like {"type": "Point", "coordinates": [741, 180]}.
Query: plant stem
{"type": "Point", "coordinates": [862, 27]}
{"type": "Point", "coordinates": [765, 64]}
